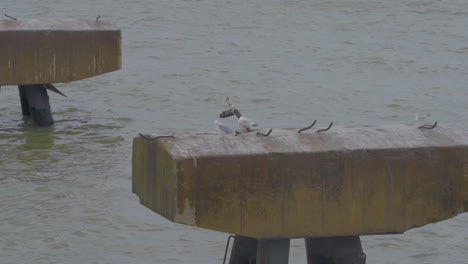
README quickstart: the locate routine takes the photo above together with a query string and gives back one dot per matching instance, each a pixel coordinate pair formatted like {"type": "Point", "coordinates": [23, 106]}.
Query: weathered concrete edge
{"type": "Point", "coordinates": [145, 172]}
{"type": "Point", "coordinates": [395, 230]}
{"type": "Point", "coordinates": [341, 137]}
{"type": "Point", "coordinates": [108, 47]}
{"type": "Point", "coordinates": [57, 25]}
{"type": "Point", "coordinates": [465, 188]}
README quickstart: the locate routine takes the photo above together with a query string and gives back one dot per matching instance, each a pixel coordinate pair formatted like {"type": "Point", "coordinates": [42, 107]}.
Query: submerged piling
{"type": "Point", "coordinates": [37, 100]}
{"type": "Point", "coordinates": [24, 100]}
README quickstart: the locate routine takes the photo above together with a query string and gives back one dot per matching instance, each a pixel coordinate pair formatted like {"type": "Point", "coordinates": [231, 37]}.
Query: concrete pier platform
{"type": "Point", "coordinates": [35, 53]}
{"type": "Point", "coordinates": [343, 182]}
{"type": "Point", "coordinates": [39, 51]}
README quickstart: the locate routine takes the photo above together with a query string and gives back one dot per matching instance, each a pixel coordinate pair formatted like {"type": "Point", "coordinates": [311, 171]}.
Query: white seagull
{"type": "Point", "coordinates": [244, 121]}
{"type": "Point", "coordinates": [223, 129]}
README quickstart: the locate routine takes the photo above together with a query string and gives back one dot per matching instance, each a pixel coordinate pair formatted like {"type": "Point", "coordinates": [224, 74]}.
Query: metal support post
{"type": "Point", "coordinates": [336, 250]}
{"type": "Point", "coordinates": [244, 250]}
{"type": "Point", "coordinates": [24, 100]}
{"type": "Point", "coordinates": [39, 106]}
{"type": "Point", "coordinates": [273, 251]}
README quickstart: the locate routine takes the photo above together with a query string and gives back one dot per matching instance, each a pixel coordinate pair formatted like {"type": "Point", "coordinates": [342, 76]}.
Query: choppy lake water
{"type": "Point", "coordinates": [65, 191]}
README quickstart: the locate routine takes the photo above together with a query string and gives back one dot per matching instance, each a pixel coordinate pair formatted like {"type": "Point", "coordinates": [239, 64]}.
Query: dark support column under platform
{"type": "Point", "coordinates": [273, 251]}
{"type": "Point", "coordinates": [38, 102]}
{"type": "Point", "coordinates": [244, 250]}
{"type": "Point", "coordinates": [336, 250]}
{"type": "Point", "coordinates": [24, 100]}
{"type": "Point", "coordinates": [322, 250]}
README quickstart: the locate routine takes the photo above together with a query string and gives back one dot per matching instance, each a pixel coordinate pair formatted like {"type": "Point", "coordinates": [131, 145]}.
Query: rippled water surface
{"type": "Point", "coordinates": [65, 191]}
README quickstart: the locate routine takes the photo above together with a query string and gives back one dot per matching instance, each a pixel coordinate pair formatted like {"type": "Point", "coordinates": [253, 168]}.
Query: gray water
{"type": "Point", "coordinates": [65, 191]}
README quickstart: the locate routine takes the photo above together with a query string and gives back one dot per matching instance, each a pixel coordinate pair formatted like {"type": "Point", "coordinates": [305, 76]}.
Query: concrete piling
{"type": "Point", "coordinates": [37, 100]}
{"type": "Point", "coordinates": [336, 250]}
{"type": "Point", "coordinates": [247, 250]}
{"type": "Point", "coordinates": [244, 250]}
{"type": "Point", "coordinates": [346, 181]}
{"type": "Point", "coordinates": [35, 51]}
{"type": "Point", "coordinates": [329, 188]}
{"type": "Point", "coordinates": [320, 250]}
{"type": "Point", "coordinates": [273, 251]}
{"type": "Point", "coordinates": [38, 52]}
{"type": "Point", "coordinates": [24, 100]}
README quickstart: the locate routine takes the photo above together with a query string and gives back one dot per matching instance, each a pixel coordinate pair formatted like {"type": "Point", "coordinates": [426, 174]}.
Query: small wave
{"type": "Point", "coordinates": [98, 127]}
{"type": "Point", "coordinates": [178, 75]}
{"type": "Point", "coordinates": [424, 255]}
{"type": "Point", "coordinates": [374, 60]}
{"type": "Point", "coordinates": [68, 110]}
{"type": "Point", "coordinates": [259, 100]}
{"type": "Point", "coordinates": [387, 244]}
{"type": "Point", "coordinates": [79, 234]}
{"type": "Point", "coordinates": [462, 50]}
{"type": "Point", "coordinates": [110, 140]}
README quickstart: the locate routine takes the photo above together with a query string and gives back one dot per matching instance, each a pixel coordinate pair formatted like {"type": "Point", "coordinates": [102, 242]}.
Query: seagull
{"type": "Point", "coordinates": [244, 121]}
{"type": "Point", "coordinates": [223, 129]}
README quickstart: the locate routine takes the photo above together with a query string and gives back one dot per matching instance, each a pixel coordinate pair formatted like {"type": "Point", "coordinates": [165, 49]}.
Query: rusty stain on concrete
{"type": "Point", "coordinates": [346, 181]}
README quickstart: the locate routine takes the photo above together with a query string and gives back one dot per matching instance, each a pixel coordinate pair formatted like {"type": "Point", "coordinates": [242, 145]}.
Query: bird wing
{"type": "Point", "coordinates": [226, 129]}
{"type": "Point", "coordinates": [244, 122]}
{"type": "Point", "coordinates": [251, 122]}
{"type": "Point", "coordinates": [223, 128]}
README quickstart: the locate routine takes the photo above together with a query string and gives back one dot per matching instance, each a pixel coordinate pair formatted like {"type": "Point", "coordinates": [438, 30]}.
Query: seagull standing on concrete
{"type": "Point", "coordinates": [223, 129]}
{"type": "Point", "coordinates": [244, 121]}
